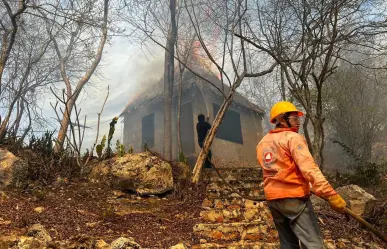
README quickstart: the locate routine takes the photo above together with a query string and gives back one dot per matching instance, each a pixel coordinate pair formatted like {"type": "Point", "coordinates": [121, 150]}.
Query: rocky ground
{"type": "Point", "coordinates": [79, 213]}
{"type": "Point", "coordinates": [76, 210]}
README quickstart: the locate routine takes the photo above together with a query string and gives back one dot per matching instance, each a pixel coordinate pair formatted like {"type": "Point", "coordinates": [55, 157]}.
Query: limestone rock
{"type": "Point", "coordinates": [183, 171]}
{"type": "Point", "coordinates": [124, 243]}
{"type": "Point", "coordinates": [143, 173]}
{"type": "Point", "coordinates": [30, 243]}
{"type": "Point", "coordinates": [39, 209]}
{"type": "Point", "coordinates": [13, 170]}
{"type": "Point", "coordinates": [8, 241]}
{"type": "Point", "coordinates": [39, 232]}
{"type": "Point", "coordinates": [329, 244]}
{"type": "Point", "coordinates": [360, 201]}
{"type": "Point", "coordinates": [101, 244]}
{"type": "Point", "coordinates": [179, 246]}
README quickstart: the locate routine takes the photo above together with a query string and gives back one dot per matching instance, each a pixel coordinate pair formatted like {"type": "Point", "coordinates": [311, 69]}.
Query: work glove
{"type": "Point", "coordinates": [337, 203]}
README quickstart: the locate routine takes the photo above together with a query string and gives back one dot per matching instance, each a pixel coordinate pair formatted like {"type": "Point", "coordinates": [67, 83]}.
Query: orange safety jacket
{"type": "Point", "coordinates": [288, 167]}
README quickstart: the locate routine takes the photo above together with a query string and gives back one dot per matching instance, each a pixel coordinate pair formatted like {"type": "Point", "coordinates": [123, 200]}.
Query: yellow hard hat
{"type": "Point", "coordinates": [281, 108]}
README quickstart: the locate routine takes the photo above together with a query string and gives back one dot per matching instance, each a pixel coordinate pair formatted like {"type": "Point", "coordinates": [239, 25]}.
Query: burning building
{"type": "Point", "coordinates": [235, 140]}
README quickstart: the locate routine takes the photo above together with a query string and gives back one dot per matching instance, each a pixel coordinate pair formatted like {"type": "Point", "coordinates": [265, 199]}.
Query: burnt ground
{"type": "Point", "coordinates": [81, 209]}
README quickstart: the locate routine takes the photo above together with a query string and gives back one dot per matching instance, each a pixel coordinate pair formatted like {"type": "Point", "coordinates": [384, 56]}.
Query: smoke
{"type": "Point", "coordinates": [129, 74]}
{"type": "Point", "coordinates": [148, 73]}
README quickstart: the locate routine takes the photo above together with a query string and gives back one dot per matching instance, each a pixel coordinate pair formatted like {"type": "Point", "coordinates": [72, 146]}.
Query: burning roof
{"type": "Point", "coordinates": [190, 80]}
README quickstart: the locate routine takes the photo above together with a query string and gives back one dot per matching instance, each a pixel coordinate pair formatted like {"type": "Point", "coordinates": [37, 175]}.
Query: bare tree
{"type": "Point", "coordinates": [29, 67]}
{"type": "Point", "coordinates": [8, 32]}
{"type": "Point", "coordinates": [73, 26]}
{"type": "Point", "coordinates": [230, 17]}
{"type": "Point", "coordinates": [75, 137]}
{"type": "Point", "coordinates": [229, 59]}
{"type": "Point", "coordinates": [308, 39]}
{"type": "Point", "coordinates": [156, 22]}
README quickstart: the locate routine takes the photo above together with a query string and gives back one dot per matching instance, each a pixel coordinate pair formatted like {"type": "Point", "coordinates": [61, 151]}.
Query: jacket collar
{"type": "Point", "coordinates": [277, 130]}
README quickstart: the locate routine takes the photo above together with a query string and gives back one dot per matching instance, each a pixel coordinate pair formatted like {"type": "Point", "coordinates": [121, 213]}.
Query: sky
{"type": "Point", "coordinates": [128, 71]}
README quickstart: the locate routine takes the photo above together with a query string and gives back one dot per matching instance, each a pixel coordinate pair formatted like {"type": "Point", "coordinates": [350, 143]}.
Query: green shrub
{"type": "Point", "coordinates": [99, 147]}
{"type": "Point", "coordinates": [182, 157]}
{"type": "Point", "coordinates": [145, 147]}
{"type": "Point", "coordinates": [42, 145]}
{"type": "Point", "coordinates": [120, 148]}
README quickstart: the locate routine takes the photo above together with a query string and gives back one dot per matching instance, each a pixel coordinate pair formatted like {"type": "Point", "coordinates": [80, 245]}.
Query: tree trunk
{"type": "Point", "coordinates": [4, 124]}
{"type": "Point", "coordinates": [318, 141]}
{"type": "Point", "coordinates": [21, 140]}
{"type": "Point", "coordinates": [168, 82]}
{"type": "Point", "coordinates": [283, 89]}
{"type": "Point", "coordinates": [306, 133]}
{"type": "Point", "coordinates": [318, 126]}
{"type": "Point", "coordinates": [211, 133]}
{"type": "Point", "coordinates": [16, 124]}
{"type": "Point", "coordinates": [208, 141]}
{"type": "Point", "coordinates": [167, 105]}
{"type": "Point", "coordinates": [4, 42]}
{"type": "Point", "coordinates": [3, 57]}
{"type": "Point", "coordinates": [179, 145]}
{"type": "Point", "coordinates": [64, 124]}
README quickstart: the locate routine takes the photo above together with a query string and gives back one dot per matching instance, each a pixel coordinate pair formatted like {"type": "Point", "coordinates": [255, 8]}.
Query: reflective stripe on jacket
{"type": "Point", "coordinates": [288, 167]}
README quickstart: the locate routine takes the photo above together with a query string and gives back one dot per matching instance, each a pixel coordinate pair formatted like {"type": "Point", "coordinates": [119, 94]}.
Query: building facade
{"type": "Point", "coordinates": [235, 140]}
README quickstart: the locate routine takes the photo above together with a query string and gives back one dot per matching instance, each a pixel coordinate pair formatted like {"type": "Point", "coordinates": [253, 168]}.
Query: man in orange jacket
{"type": "Point", "coordinates": [288, 172]}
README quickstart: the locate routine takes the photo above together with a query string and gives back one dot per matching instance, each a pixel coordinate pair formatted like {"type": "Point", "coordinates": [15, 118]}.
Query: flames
{"type": "Point", "coordinates": [200, 58]}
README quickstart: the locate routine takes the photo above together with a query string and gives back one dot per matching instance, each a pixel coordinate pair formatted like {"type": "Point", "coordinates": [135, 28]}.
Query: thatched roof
{"type": "Point", "coordinates": [155, 93]}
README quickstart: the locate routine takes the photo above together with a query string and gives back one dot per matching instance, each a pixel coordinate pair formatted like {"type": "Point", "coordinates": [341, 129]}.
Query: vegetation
{"type": "Point", "coordinates": [182, 157]}
{"type": "Point", "coordinates": [329, 57]}
{"type": "Point", "coordinates": [99, 148]}
{"type": "Point", "coordinates": [362, 173]}
{"type": "Point", "coordinates": [120, 148]}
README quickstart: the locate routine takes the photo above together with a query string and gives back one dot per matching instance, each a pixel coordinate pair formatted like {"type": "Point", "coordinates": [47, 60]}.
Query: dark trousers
{"type": "Point", "coordinates": [207, 163]}
{"type": "Point", "coordinates": [296, 223]}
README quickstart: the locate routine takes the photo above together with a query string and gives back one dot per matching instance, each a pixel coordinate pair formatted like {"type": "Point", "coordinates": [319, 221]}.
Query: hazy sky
{"type": "Point", "coordinates": [128, 71]}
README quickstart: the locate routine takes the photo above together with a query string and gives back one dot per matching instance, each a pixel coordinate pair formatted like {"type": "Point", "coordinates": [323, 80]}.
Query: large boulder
{"type": "Point", "coordinates": [143, 173]}
{"type": "Point", "coordinates": [13, 170]}
{"type": "Point", "coordinates": [358, 200]}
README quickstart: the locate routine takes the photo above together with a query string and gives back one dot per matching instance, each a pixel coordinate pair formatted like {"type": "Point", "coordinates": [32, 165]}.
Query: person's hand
{"type": "Point", "coordinates": [337, 203]}
{"type": "Point", "coordinates": [207, 119]}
